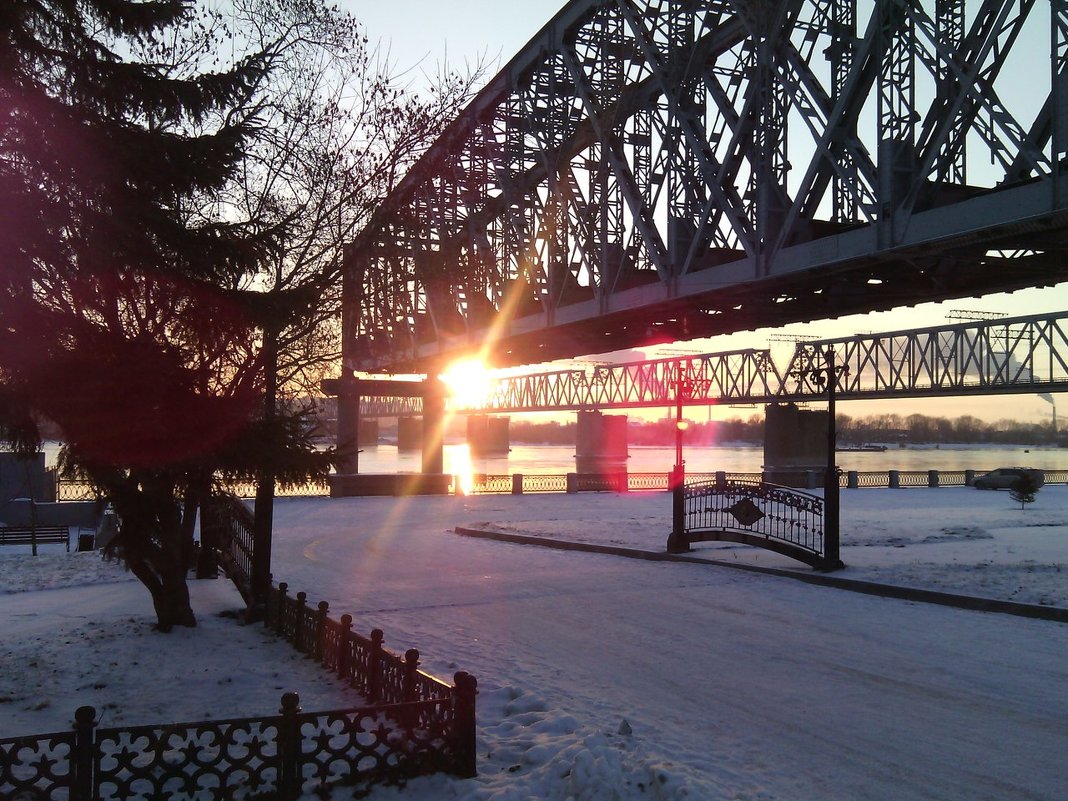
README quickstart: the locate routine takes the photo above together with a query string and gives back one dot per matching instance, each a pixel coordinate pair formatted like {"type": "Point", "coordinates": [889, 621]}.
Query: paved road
{"type": "Point", "coordinates": [748, 686]}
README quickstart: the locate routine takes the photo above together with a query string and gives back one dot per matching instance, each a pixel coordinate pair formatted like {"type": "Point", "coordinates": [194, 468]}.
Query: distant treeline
{"type": "Point", "coordinates": [880, 428]}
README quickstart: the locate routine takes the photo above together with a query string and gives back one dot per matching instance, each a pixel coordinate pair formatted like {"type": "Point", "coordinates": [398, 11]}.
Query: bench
{"type": "Point", "coordinates": [34, 535]}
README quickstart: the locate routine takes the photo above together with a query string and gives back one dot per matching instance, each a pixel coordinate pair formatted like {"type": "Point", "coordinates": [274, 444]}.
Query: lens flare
{"type": "Point", "coordinates": [469, 383]}
{"type": "Point", "coordinates": [458, 464]}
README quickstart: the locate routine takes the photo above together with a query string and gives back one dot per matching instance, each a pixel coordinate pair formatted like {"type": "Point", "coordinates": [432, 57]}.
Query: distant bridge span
{"type": "Point", "coordinates": [1006, 356]}
{"type": "Point", "coordinates": [653, 170]}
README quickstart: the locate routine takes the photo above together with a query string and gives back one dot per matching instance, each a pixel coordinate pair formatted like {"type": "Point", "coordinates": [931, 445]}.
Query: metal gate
{"type": "Point", "coordinates": [756, 513]}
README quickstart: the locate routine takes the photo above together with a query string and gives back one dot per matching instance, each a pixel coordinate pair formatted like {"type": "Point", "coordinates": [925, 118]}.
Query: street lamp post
{"type": "Point", "coordinates": [831, 488]}
{"type": "Point", "coordinates": [680, 427]}
{"type": "Point", "coordinates": [677, 540]}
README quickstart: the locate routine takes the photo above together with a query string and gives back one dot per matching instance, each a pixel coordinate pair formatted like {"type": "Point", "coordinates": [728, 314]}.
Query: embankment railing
{"type": "Point", "coordinates": [530, 483]}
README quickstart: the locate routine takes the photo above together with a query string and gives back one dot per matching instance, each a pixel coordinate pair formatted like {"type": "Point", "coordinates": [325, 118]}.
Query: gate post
{"type": "Point", "coordinates": [464, 732]}
{"type": "Point", "coordinates": [83, 757]}
{"type": "Point", "coordinates": [677, 539]}
{"type": "Point", "coordinates": [832, 559]}
{"type": "Point", "coordinates": [289, 768]}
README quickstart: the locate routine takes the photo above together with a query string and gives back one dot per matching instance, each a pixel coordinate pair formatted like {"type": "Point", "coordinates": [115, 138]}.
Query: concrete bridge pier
{"type": "Point", "coordinates": [487, 435]}
{"type": "Point", "coordinates": [348, 427]}
{"type": "Point", "coordinates": [795, 446]}
{"type": "Point", "coordinates": [432, 480]}
{"type": "Point", "coordinates": [409, 433]}
{"type": "Point", "coordinates": [601, 443]}
{"type": "Point", "coordinates": [433, 427]}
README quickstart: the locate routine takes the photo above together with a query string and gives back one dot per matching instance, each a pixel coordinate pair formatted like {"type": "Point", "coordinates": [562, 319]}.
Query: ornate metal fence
{"type": "Point", "coordinates": [413, 724]}
{"type": "Point", "coordinates": [281, 756]}
{"type": "Point", "coordinates": [485, 484]}
{"type": "Point", "coordinates": [380, 676]}
{"type": "Point", "coordinates": [544, 483]}
{"type": "Point", "coordinates": [767, 516]}
{"type": "Point", "coordinates": [227, 525]}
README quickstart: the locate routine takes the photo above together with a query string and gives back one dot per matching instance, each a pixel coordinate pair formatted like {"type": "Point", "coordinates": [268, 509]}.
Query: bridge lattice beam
{"type": "Point", "coordinates": [651, 170]}
{"type": "Point", "coordinates": [1005, 356]}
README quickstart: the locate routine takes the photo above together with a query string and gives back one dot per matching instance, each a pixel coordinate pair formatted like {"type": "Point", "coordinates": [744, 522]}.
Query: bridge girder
{"type": "Point", "coordinates": [652, 170]}
{"type": "Point", "coordinates": [1005, 356]}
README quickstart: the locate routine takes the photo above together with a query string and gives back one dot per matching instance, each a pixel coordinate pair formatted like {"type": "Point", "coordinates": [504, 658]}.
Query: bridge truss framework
{"type": "Point", "coordinates": [659, 170]}
{"type": "Point", "coordinates": [1005, 356]}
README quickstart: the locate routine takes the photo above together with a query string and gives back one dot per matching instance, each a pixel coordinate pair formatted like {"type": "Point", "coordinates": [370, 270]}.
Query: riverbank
{"type": "Point", "coordinates": [603, 677]}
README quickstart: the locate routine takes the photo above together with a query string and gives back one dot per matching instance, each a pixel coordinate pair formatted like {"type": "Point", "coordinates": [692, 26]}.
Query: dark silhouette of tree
{"type": "Point", "coordinates": [1024, 489]}
{"type": "Point", "coordinates": [116, 319]}
{"type": "Point", "coordinates": [166, 175]}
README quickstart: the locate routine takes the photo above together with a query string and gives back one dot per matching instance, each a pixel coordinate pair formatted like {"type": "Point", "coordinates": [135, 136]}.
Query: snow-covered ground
{"type": "Point", "coordinates": [608, 678]}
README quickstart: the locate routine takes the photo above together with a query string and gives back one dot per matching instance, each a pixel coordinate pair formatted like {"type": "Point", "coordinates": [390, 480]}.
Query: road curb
{"type": "Point", "coordinates": [975, 603]}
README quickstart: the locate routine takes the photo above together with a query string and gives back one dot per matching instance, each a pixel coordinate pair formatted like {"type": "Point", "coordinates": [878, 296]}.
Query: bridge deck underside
{"type": "Point", "coordinates": [877, 282]}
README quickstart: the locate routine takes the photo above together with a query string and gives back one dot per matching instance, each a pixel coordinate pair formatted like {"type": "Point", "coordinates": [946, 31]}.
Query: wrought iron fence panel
{"type": "Point", "coordinates": [878, 478]}
{"type": "Point", "coordinates": [743, 478]}
{"type": "Point", "coordinates": [75, 491]}
{"type": "Point", "coordinates": [289, 617]}
{"type": "Point", "coordinates": [952, 478]}
{"type": "Point", "coordinates": [182, 761]}
{"type": "Point", "coordinates": [544, 483]}
{"type": "Point", "coordinates": [485, 484]}
{"type": "Point", "coordinates": [425, 687]}
{"type": "Point", "coordinates": [349, 746]}
{"type": "Point", "coordinates": [391, 681]}
{"type": "Point", "coordinates": [647, 481]}
{"type": "Point", "coordinates": [357, 650]}
{"type": "Point", "coordinates": [913, 478]}
{"type": "Point", "coordinates": [308, 489]}
{"type": "Point", "coordinates": [333, 635]}
{"type": "Point", "coordinates": [228, 524]}
{"type": "Point", "coordinates": [601, 482]}
{"type": "Point", "coordinates": [38, 766]}
{"type": "Point", "coordinates": [699, 477]}
{"type": "Point", "coordinates": [306, 635]}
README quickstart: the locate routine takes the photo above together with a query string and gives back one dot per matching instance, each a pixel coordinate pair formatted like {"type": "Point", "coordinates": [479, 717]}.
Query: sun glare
{"type": "Point", "coordinates": [458, 464]}
{"type": "Point", "coordinates": [468, 382]}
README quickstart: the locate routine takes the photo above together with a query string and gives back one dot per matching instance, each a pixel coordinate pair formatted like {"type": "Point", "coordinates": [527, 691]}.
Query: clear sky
{"type": "Point", "coordinates": [428, 33]}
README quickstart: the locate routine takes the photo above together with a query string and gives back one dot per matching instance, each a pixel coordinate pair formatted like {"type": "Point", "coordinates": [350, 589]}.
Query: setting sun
{"type": "Point", "coordinates": [469, 383]}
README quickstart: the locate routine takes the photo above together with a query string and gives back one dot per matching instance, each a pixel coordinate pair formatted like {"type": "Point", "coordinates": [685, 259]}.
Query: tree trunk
{"type": "Point", "coordinates": [152, 539]}
{"type": "Point", "coordinates": [170, 593]}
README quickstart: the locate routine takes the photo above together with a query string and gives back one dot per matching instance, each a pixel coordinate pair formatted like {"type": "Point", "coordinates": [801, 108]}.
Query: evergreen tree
{"type": "Point", "coordinates": [1024, 489]}
{"type": "Point", "coordinates": [163, 219]}
{"type": "Point", "coordinates": [119, 318]}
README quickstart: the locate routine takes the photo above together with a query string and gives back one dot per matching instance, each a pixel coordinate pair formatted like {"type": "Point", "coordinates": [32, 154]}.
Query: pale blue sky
{"type": "Point", "coordinates": [429, 32]}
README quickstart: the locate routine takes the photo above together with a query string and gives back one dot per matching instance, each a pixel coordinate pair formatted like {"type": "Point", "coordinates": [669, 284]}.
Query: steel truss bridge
{"type": "Point", "coordinates": [1006, 356]}
{"type": "Point", "coordinates": [659, 170]}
